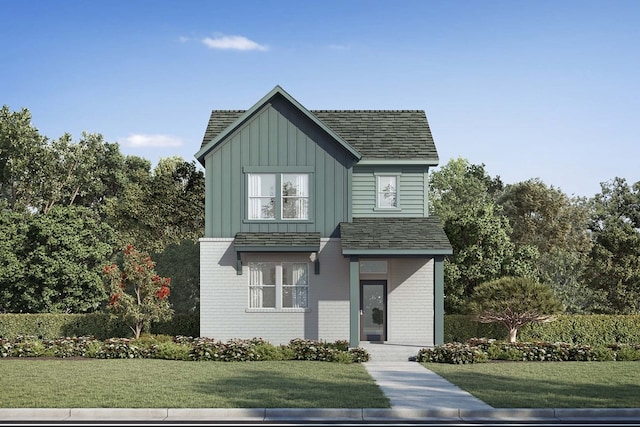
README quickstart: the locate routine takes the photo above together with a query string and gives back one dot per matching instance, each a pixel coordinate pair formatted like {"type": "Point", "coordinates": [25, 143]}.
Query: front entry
{"type": "Point", "coordinates": [373, 310]}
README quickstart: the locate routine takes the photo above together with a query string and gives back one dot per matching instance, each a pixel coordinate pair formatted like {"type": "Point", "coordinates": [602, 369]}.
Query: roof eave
{"type": "Point", "coordinates": [430, 161]}
{"type": "Point", "coordinates": [256, 248]}
{"type": "Point", "coordinates": [391, 252]}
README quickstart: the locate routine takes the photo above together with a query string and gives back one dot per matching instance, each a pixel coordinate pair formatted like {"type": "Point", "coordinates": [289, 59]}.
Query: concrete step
{"type": "Point", "coordinates": [387, 352]}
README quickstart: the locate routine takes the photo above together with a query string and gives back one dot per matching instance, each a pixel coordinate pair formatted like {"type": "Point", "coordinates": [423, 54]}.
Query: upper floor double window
{"type": "Point", "coordinates": [283, 196]}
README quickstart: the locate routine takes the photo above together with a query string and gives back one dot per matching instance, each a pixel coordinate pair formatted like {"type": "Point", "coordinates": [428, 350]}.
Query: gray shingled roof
{"type": "Point", "coordinates": [218, 121]}
{"type": "Point", "coordinates": [376, 134]}
{"type": "Point", "coordinates": [247, 241]}
{"type": "Point", "coordinates": [394, 235]}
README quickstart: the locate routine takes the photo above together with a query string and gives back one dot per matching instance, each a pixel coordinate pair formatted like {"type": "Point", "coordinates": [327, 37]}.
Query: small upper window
{"type": "Point", "coordinates": [387, 192]}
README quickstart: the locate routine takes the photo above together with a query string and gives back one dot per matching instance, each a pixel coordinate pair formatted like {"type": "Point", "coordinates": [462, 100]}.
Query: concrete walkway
{"type": "Point", "coordinates": [409, 385]}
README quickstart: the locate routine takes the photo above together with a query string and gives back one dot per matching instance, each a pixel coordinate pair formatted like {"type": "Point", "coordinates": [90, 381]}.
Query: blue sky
{"type": "Point", "coordinates": [547, 89]}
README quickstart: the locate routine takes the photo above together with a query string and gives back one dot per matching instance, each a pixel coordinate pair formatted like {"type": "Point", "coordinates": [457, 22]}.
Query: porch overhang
{"type": "Point", "coordinates": [388, 238]}
{"type": "Point", "coordinates": [369, 237]}
{"type": "Point", "coordinates": [275, 242]}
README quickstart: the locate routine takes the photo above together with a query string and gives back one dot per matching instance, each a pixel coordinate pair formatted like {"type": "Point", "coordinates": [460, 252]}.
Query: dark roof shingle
{"type": "Point", "coordinates": [376, 134]}
{"type": "Point", "coordinates": [395, 235]}
{"type": "Point", "coordinates": [273, 241]}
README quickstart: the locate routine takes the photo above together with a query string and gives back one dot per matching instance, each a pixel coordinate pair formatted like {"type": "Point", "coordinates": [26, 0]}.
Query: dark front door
{"type": "Point", "coordinates": [373, 310]}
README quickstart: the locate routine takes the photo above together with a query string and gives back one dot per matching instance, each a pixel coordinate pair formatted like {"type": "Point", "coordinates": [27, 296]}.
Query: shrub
{"type": "Point", "coordinates": [267, 351]}
{"type": "Point", "coordinates": [454, 353]}
{"type": "Point", "coordinates": [481, 349]}
{"type": "Point", "coordinates": [152, 339]}
{"type": "Point", "coordinates": [359, 355]}
{"type": "Point", "coordinates": [72, 346]}
{"type": "Point", "coordinates": [343, 357]}
{"type": "Point", "coordinates": [181, 348]}
{"type": "Point", "coordinates": [325, 351]}
{"type": "Point", "coordinates": [235, 350]}
{"type": "Point", "coordinates": [92, 349]}
{"type": "Point", "coordinates": [628, 353]}
{"type": "Point", "coordinates": [497, 352]}
{"type": "Point", "coordinates": [26, 346]}
{"type": "Point", "coordinates": [170, 350]}
{"type": "Point", "coordinates": [287, 352]}
{"type": "Point", "coordinates": [119, 348]}
{"type": "Point", "coordinates": [603, 354]}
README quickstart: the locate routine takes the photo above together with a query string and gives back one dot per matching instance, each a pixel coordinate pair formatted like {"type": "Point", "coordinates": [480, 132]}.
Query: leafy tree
{"type": "Point", "coordinates": [159, 208]}
{"type": "Point", "coordinates": [181, 263]}
{"type": "Point", "coordinates": [13, 264]}
{"type": "Point", "coordinates": [463, 197]}
{"type": "Point", "coordinates": [81, 173]}
{"type": "Point", "coordinates": [461, 185]}
{"type": "Point", "coordinates": [514, 302]}
{"type": "Point", "coordinates": [546, 218]}
{"type": "Point", "coordinates": [614, 260]}
{"type": "Point", "coordinates": [21, 148]}
{"type": "Point", "coordinates": [37, 174]}
{"type": "Point", "coordinates": [51, 263]}
{"type": "Point", "coordinates": [138, 296]}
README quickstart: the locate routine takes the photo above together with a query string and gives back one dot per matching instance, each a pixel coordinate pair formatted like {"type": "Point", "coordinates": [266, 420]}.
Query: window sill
{"type": "Point", "coordinates": [387, 209]}
{"type": "Point", "coordinates": [280, 221]}
{"type": "Point", "coordinates": [277, 310]}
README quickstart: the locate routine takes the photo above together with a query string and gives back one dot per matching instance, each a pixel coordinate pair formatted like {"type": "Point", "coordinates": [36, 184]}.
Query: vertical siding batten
{"type": "Point", "coordinates": [278, 136]}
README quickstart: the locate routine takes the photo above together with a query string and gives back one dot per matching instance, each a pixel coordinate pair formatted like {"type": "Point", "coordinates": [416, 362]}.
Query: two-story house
{"type": "Point", "coordinates": [317, 226]}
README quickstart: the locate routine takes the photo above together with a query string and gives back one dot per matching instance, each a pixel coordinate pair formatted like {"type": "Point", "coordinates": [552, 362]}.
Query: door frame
{"type": "Point", "coordinates": [385, 316]}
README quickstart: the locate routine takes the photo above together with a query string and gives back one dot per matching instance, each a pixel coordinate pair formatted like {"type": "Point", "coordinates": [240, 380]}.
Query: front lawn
{"type": "Point", "coordinates": [548, 384]}
{"type": "Point", "coordinates": [145, 383]}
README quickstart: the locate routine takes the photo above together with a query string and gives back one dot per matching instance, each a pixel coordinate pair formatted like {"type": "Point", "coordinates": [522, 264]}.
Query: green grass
{"type": "Point", "coordinates": [144, 383]}
{"type": "Point", "coordinates": [548, 384]}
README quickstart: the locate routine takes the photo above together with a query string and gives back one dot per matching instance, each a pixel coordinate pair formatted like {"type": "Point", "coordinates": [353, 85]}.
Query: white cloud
{"type": "Point", "coordinates": [183, 39]}
{"type": "Point", "coordinates": [140, 140]}
{"type": "Point", "coordinates": [232, 43]}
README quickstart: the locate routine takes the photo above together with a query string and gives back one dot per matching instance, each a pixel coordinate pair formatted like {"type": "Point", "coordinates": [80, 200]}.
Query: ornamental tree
{"type": "Point", "coordinates": [137, 295]}
{"type": "Point", "coordinates": [514, 302]}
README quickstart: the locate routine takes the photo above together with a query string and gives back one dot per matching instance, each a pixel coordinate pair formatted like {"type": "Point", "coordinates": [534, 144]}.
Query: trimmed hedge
{"type": "Point", "coordinates": [483, 350]}
{"type": "Point", "coordinates": [592, 329]}
{"type": "Point", "coordinates": [99, 325]}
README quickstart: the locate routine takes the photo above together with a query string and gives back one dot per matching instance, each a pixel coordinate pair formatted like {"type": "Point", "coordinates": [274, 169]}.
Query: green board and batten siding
{"type": "Point", "coordinates": [275, 138]}
{"type": "Point", "coordinates": [412, 191]}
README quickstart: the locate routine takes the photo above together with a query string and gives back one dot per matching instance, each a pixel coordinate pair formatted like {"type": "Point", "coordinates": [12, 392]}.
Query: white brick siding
{"type": "Point", "coordinates": [224, 296]}
{"type": "Point", "coordinates": [410, 301]}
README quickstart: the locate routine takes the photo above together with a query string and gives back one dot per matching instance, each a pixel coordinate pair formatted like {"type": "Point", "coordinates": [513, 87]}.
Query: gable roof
{"type": "Point", "coordinates": [394, 236]}
{"type": "Point", "coordinates": [383, 134]}
{"type": "Point", "coordinates": [375, 135]}
{"type": "Point", "coordinates": [219, 136]}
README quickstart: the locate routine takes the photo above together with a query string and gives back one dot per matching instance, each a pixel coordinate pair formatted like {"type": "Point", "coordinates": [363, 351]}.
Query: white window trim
{"type": "Point", "coordinates": [377, 177]}
{"type": "Point", "coordinates": [278, 290]}
{"type": "Point", "coordinates": [278, 208]}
